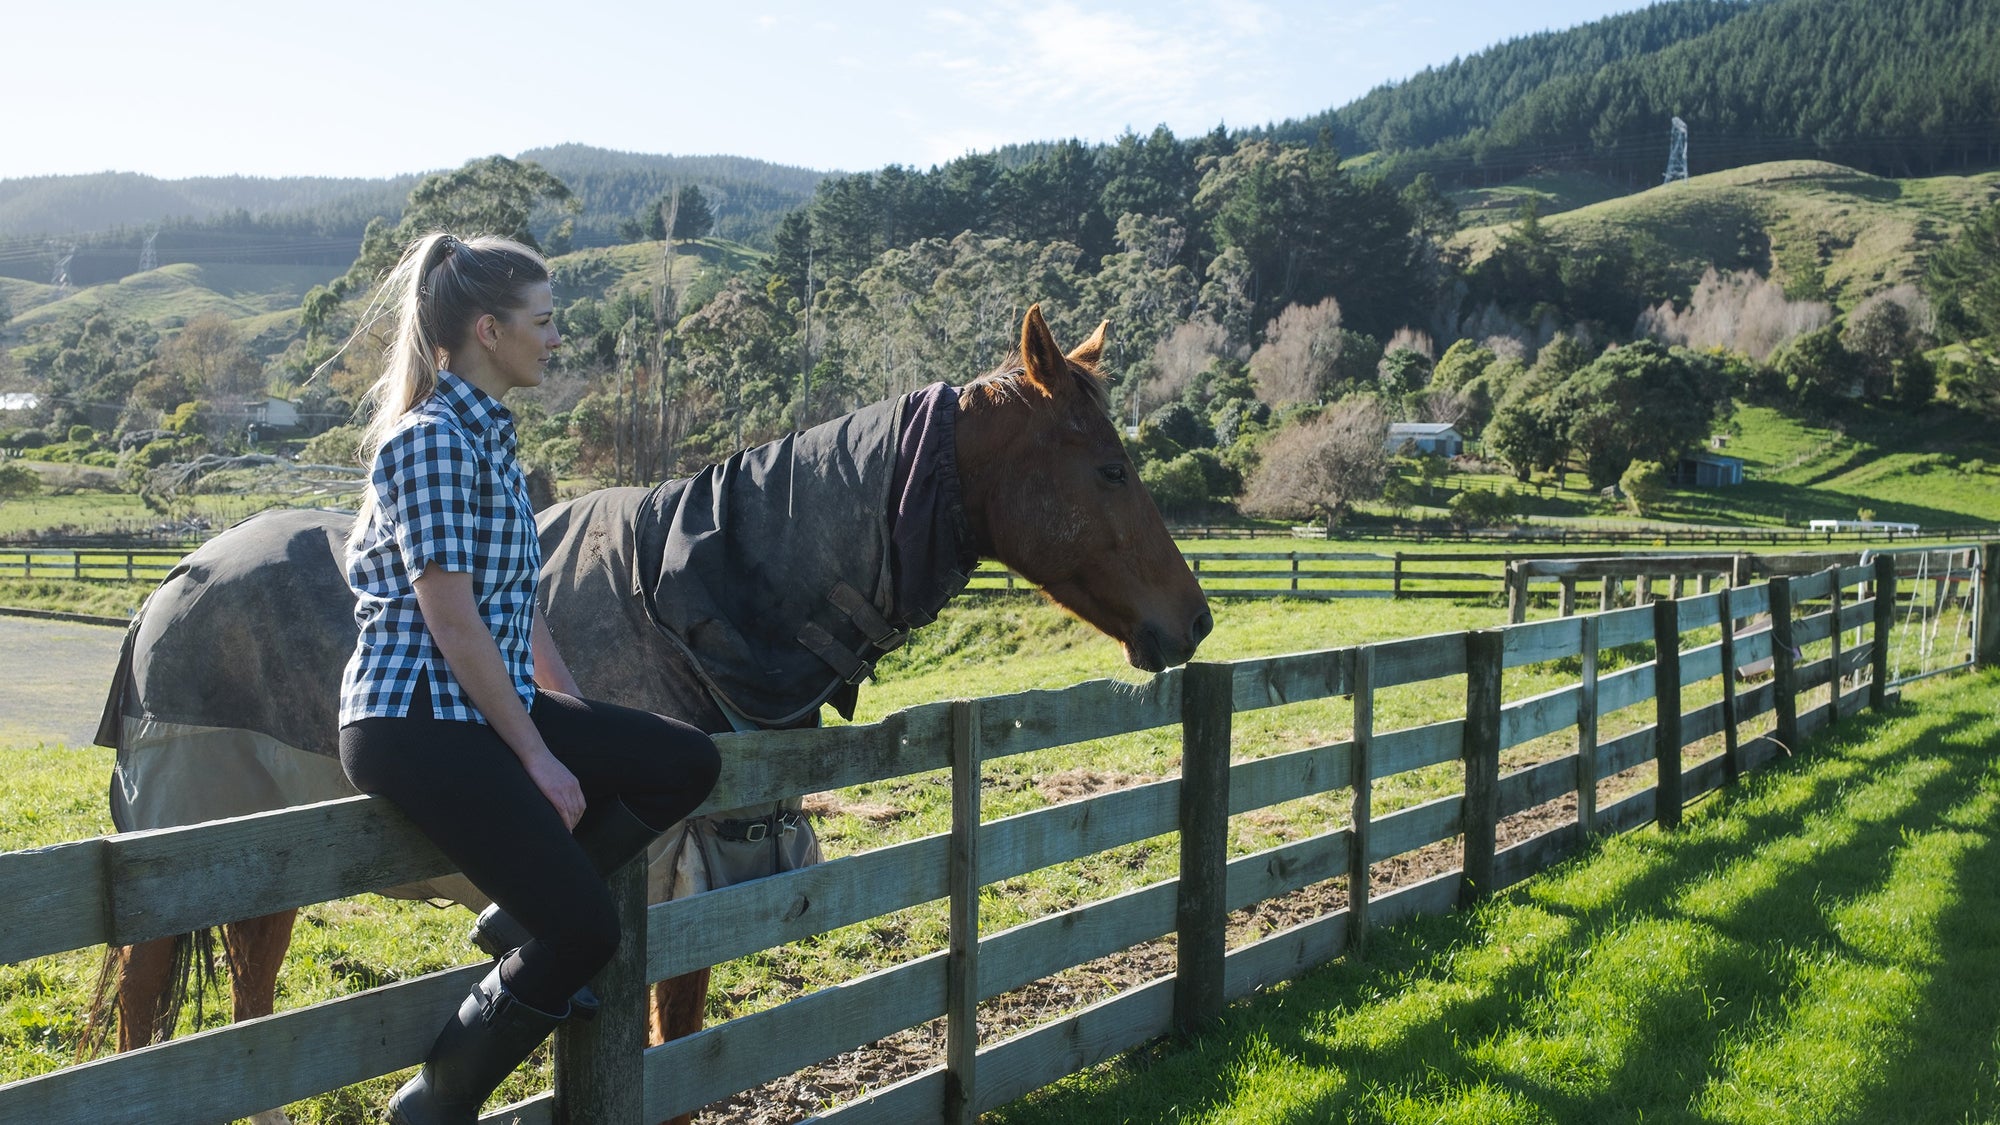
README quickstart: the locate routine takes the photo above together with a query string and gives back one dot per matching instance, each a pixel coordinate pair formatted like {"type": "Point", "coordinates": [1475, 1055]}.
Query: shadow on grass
{"type": "Point", "coordinates": [1671, 1036]}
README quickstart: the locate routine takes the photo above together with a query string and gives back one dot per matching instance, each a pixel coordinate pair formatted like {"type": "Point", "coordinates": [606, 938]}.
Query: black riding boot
{"type": "Point", "coordinates": [610, 839]}
{"type": "Point", "coordinates": [488, 1037]}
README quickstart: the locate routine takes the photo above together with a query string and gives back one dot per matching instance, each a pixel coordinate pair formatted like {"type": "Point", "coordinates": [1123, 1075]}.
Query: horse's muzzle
{"type": "Point", "coordinates": [1155, 648]}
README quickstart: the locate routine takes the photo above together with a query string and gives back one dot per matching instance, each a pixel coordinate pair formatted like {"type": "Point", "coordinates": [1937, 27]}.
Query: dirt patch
{"type": "Point", "coordinates": [911, 1052]}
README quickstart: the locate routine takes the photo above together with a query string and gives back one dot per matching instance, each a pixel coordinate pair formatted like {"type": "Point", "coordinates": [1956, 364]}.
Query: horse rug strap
{"type": "Point", "coordinates": [774, 570]}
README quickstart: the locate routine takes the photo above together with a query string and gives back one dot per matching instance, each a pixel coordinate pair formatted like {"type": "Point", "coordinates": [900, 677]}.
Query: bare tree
{"type": "Point", "coordinates": [1177, 360]}
{"type": "Point", "coordinates": [1322, 466]}
{"type": "Point", "coordinates": [1300, 356]}
{"type": "Point", "coordinates": [1739, 311]}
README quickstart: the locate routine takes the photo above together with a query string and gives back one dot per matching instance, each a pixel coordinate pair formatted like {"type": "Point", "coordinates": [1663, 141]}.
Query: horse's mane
{"type": "Point", "coordinates": [1004, 382]}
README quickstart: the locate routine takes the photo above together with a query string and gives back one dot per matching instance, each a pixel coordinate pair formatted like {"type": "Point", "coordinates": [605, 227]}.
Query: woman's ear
{"type": "Point", "coordinates": [487, 331]}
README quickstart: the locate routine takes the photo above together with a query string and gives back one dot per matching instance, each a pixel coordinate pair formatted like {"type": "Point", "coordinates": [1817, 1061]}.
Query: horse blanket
{"type": "Point", "coordinates": [747, 595]}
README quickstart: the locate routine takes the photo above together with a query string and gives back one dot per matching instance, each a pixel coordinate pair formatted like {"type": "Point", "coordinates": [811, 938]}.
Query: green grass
{"type": "Point", "coordinates": [174, 294]}
{"type": "Point", "coordinates": [1860, 233]}
{"type": "Point", "coordinates": [1818, 945]}
{"type": "Point", "coordinates": [1552, 192]}
{"type": "Point", "coordinates": [986, 647]}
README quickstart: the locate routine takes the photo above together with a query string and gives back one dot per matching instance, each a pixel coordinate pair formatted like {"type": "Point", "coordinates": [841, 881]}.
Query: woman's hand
{"type": "Point", "coordinates": [444, 597]}
{"type": "Point", "coordinates": [558, 785]}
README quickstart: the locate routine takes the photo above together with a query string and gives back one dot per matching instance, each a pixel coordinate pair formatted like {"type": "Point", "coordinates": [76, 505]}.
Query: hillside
{"type": "Point", "coordinates": [1810, 224]}
{"type": "Point", "coordinates": [100, 224]}
{"type": "Point", "coordinates": [1901, 89]}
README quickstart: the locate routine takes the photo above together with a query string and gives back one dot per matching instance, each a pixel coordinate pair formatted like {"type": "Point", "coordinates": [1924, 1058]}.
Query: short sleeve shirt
{"type": "Point", "coordinates": [447, 491]}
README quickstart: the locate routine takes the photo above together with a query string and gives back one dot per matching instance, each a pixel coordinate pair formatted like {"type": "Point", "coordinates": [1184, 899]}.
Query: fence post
{"type": "Point", "coordinates": [1986, 634]}
{"type": "Point", "coordinates": [1295, 563]}
{"type": "Point", "coordinates": [1667, 713]}
{"type": "Point", "coordinates": [1784, 664]}
{"type": "Point", "coordinates": [600, 1063]}
{"type": "Point", "coordinates": [1833, 632]}
{"type": "Point", "coordinates": [1566, 605]}
{"type": "Point", "coordinates": [1481, 753]}
{"type": "Point", "coordinates": [1885, 624]}
{"type": "Point", "coordinates": [1396, 580]}
{"type": "Point", "coordinates": [1207, 710]}
{"type": "Point", "coordinates": [961, 1006]}
{"type": "Point", "coordinates": [1517, 594]}
{"type": "Point", "coordinates": [1732, 751]}
{"type": "Point", "coordinates": [1362, 780]}
{"type": "Point", "coordinates": [1586, 732]}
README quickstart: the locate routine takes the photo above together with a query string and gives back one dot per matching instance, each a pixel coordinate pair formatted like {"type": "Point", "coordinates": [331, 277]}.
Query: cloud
{"type": "Point", "coordinates": [1100, 66]}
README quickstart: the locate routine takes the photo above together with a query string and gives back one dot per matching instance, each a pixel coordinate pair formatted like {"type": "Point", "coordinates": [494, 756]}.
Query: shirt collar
{"type": "Point", "coordinates": [479, 412]}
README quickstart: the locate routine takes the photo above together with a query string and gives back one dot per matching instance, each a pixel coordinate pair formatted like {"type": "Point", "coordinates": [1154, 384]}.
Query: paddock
{"type": "Point", "coordinates": [123, 888]}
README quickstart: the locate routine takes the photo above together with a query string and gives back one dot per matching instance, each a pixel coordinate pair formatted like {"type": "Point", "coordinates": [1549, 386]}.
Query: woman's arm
{"type": "Point", "coordinates": [444, 597]}
{"type": "Point", "coordinates": [551, 671]}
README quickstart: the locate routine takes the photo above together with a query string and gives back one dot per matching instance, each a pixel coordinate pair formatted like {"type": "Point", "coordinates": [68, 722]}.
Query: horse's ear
{"type": "Point", "coordinates": [1091, 350]}
{"type": "Point", "coordinates": [1041, 361]}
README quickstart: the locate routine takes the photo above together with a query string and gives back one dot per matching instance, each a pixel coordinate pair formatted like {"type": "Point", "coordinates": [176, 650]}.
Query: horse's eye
{"type": "Point", "coordinates": [1114, 473]}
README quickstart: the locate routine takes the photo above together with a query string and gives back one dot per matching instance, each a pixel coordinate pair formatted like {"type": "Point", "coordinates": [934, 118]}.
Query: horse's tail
{"type": "Point", "coordinates": [190, 974]}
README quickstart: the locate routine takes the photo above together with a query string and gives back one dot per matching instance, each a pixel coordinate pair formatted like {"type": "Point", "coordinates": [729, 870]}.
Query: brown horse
{"type": "Point", "coordinates": [1038, 480]}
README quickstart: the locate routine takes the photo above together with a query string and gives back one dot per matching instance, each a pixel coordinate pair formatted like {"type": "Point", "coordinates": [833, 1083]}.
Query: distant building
{"type": "Point", "coordinates": [20, 400]}
{"type": "Point", "coordinates": [1441, 438]}
{"type": "Point", "coordinates": [1709, 470]}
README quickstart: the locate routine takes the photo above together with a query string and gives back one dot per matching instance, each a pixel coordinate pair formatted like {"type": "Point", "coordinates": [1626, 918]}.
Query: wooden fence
{"type": "Point", "coordinates": [136, 886]}
{"type": "Point", "coordinates": [1227, 574]}
{"type": "Point", "coordinates": [1933, 565]}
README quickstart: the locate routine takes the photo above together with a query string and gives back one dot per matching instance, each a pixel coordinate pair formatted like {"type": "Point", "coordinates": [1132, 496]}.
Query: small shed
{"type": "Point", "coordinates": [1709, 470]}
{"type": "Point", "coordinates": [1441, 438]}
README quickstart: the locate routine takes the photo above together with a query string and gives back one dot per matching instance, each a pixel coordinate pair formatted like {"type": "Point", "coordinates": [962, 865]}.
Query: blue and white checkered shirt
{"type": "Point", "coordinates": [447, 492]}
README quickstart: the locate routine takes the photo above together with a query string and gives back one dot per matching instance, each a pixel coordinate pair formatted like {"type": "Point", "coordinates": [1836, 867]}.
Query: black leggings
{"type": "Point", "coordinates": [465, 790]}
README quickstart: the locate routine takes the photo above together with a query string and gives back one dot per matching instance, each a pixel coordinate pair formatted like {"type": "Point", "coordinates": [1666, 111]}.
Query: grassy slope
{"type": "Point", "coordinates": [174, 294]}
{"type": "Point", "coordinates": [1863, 233]}
{"type": "Point", "coordinates": [1551, 192]}
{"type": "Point", "coordinates": [1815, 946]}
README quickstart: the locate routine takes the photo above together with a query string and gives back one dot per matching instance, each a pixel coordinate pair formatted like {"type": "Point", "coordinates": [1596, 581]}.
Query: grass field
{"type": "Point", "coordinates": [1818, 945]}
{"type": "Point", "coordinates": [991, 647]}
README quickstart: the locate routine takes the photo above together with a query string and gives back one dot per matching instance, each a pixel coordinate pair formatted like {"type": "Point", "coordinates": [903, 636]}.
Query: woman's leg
{"type": "Point", "coordinates": [465, 790]}
{"type": "Point", "coordinates": [660, 768]}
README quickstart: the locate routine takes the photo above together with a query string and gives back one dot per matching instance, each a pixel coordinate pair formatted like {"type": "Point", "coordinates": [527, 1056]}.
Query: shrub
{"type": "Point", "coordinates": [1644, 484]}
{"type": "Point", "coordinates": [1478, 507]}
{"type": "Point", "coordinates": [1178, 485]}
{"type": "Point", "coordinates": [17, 481]}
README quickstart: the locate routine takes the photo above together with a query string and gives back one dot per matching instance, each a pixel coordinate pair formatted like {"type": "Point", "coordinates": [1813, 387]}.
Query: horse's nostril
{"type": "Point", "coordinates": [1203, 626]}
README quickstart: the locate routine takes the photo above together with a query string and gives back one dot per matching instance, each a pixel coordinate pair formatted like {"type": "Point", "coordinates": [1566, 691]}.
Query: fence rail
{"type": "Point", "coordinates": [135, 886]}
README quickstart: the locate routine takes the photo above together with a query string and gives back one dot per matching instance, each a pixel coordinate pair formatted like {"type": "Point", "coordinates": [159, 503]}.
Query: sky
{"type": "Point", "coordinates": [372, 88]}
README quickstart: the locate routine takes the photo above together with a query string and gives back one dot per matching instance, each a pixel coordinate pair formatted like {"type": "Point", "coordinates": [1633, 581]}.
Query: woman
{"type": "Point", "coordinates": [456, 705]}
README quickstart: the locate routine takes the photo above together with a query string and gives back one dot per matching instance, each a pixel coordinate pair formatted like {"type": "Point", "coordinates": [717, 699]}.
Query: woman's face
{"type": "Point", "coordinates": [525, 339]}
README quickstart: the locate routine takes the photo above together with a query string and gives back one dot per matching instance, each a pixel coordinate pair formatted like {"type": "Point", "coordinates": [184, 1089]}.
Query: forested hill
{"type": "Point", "coordinates": [59, 205]}
{"type": "Point", "coordinates": [1897, 89]}
{"type": "Point", "coordinates": [99, 224]}
{"type": "Point", "coordinates": [747, 196]}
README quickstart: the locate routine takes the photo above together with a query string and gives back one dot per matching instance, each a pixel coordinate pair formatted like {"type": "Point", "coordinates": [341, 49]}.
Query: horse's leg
{"type": "Point", "coordinates": [680, 1005]}
{"type": "Point", "coordinates": [255, 948]}
{"type": "Point", "coordinates": [145, 973]}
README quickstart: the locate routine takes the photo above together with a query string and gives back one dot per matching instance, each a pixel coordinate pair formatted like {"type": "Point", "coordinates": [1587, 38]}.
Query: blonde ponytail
{"type": "Point", "coordinates": [437, 289]}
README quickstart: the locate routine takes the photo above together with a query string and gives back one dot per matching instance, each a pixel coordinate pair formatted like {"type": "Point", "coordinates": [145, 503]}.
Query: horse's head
{"type": "Point", "coordinates": [1050, 492]}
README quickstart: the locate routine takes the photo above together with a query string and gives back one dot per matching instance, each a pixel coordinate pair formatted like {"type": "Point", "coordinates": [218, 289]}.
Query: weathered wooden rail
{"type": "Point", "coordinates": [135, 886]}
